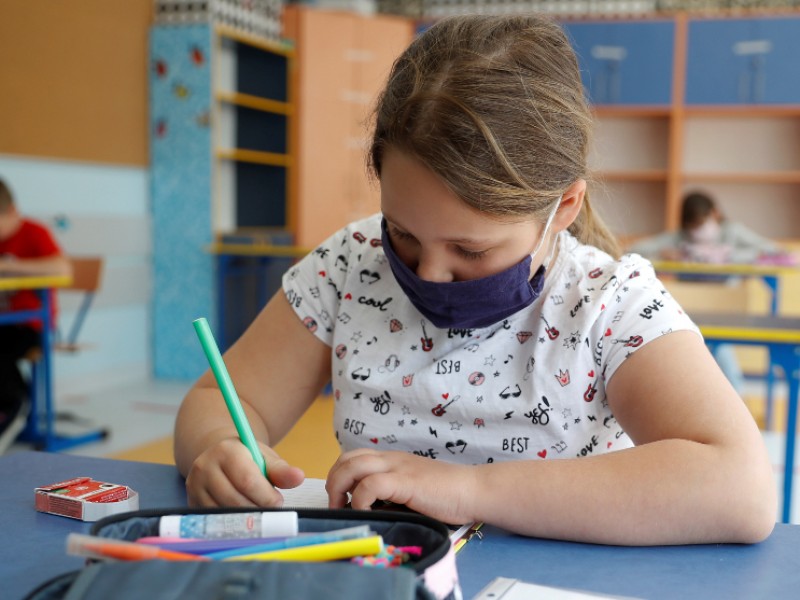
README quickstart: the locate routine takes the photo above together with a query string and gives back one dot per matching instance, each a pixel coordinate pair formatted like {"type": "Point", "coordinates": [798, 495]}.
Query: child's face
{"type": "Point", "coordinates": [707, 232]}
{"type": "Point", "coordinates": [439, 236]}
{"type": "Point", "coordinates": [9, 221]}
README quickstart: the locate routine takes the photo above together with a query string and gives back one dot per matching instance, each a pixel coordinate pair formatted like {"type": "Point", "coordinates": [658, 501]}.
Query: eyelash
{"type": "Point", "coordinates": [471, 255]}
{"type": "Point", "coordinates": [468, 254]}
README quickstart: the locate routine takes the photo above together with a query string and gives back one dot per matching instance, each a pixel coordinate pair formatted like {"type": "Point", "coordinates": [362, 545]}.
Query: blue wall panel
{"type": "Point", "coordinates": [181, 165]}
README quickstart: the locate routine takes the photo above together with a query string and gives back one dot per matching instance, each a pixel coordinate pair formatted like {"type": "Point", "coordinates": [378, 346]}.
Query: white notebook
{"type": "Point", "coordinates": [503, 588]}
{"type": "Point", "coordinates": [309, 494]}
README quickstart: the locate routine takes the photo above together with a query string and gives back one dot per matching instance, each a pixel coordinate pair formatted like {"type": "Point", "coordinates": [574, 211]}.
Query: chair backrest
{"type": "Point", "coordinates": [86, 272]}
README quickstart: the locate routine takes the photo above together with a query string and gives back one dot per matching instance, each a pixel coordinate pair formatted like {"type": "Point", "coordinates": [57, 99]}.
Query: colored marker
{"type": "Point", "coordinates": [199, 546]}
{"type": "Point", "coordinates": [367, 546]}
{"type": "Point", "coordinates": [228, 391]}
{"type": "Point", "coordinates": [100, 547]}
{"type": "Point", "coordinates": [338, 535]}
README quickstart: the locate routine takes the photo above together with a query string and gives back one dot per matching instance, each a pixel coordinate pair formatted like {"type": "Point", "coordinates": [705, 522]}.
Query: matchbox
{"type": "Point", "coordinates": [85, 499]}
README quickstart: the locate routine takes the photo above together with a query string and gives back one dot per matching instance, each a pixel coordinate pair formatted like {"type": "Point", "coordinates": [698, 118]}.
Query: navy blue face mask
{"type": "Point", "coordinates": [474, 303]}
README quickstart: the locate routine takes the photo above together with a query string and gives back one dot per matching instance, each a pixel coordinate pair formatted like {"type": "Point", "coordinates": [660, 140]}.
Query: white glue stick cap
{"type": "Point", "coordinates": [170, 526]}
{"type": "Point", "coordinates": [279, 524]}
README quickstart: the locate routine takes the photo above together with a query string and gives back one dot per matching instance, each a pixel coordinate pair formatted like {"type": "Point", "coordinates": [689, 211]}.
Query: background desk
{"type": "Point", "coordinates": [769, 274]}
{"type": "Point", "coordinates": [781, 337]}
{"type": "Point", "coordinates": [33, 548]}
{"type": "Point", "coordinates": [248, 274]}
{"type": "Point", "coordinates": [40, 429]}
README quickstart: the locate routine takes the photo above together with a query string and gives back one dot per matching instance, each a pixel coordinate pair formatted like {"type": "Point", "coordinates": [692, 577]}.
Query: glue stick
{"type": "Point", "coordinates": [229, 525]}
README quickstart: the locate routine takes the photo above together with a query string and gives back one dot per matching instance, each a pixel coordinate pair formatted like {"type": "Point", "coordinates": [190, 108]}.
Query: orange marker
{"type": "Point", "coordinates": [100, 547]}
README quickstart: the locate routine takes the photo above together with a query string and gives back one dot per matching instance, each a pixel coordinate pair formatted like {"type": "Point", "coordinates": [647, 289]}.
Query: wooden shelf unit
{"type": "Point", "coordinates": [253, 116]}
{"type": "Point", "coordinates": [747, 155]}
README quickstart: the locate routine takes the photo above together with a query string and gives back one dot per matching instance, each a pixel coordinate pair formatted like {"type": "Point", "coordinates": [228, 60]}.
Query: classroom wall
{"type": "Point", "coordinates": [73, 79]}
{"type": "Point", "coordinates": [96, 210]}
{"type": "Point", "coordinates": [74, 148]}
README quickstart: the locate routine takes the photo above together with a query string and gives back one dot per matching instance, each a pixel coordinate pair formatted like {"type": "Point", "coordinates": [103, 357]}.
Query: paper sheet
{"type": "Point", "coordinates": [309, 494]}
{"type": "Point", "coordinates": [503, 588]}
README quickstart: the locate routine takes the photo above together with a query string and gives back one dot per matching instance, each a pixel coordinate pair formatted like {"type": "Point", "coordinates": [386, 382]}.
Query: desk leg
{"type": "Point", "coordinates": [786, 355]}
{"type": "Point", "coordinates": [771, 281]}
{"type": "Point", "coordinates": [42, 391]}
{"type": "Point", "coordinates": [41, 383]}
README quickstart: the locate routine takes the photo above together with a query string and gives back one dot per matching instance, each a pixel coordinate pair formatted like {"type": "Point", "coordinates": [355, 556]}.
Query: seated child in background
{"type": "Point", "coordinates": [707, 236]}
{"type": "Point", "coordinates": [26, 248]}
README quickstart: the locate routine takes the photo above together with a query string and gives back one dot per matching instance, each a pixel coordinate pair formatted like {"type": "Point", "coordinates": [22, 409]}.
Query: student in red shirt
{"type": "Point", "coordinates": [26, 248]}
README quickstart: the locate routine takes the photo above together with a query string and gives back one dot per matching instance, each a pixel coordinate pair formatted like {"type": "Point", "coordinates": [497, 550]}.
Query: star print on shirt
{"type": "Point", "coordinates": [481, 429]}
{"type": "Point", "coordinates": [573, 340]}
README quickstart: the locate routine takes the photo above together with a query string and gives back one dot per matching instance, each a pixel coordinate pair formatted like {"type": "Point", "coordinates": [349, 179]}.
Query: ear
{"type": "Point", "coordinates": [570, 207]}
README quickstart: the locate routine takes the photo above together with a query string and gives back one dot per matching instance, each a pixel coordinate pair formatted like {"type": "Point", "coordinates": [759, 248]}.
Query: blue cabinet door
{"type": "Point", "coordinates": [625, 63]}
{"type": "Point", "coordinates": [782, 69]}
{"type": "Point", "coordinates": [743, 61]}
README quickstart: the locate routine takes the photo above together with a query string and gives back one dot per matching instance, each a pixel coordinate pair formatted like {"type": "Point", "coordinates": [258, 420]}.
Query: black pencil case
{"type": "Point", "coordinates": [430, 576]}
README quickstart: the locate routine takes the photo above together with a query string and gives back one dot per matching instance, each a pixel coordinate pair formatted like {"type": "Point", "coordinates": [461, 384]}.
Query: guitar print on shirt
{"type": "Point", "coordinates": [502, 392]}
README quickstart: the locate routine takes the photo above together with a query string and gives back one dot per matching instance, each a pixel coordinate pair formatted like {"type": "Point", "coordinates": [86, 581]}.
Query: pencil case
{"type": "Point", "coordinates": [430, 576]}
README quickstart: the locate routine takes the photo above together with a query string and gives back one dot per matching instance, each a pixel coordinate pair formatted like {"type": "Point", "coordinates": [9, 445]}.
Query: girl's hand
{"type": "Point", "coordinates": [226, 475]}
{"type": "Point", "coordinates": [440, 490]}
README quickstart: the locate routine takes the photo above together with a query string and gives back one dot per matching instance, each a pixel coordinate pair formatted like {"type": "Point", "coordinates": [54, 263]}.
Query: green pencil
{"type": "Point", "coordinates": [228, 391]}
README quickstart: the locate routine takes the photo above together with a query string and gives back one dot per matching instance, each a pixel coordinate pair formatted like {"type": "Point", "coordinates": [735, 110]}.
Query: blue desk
{"type": "Point", "coordinates": [33, 550]}
{"type": "Point", "coordinates": [769, 274]}
{"type": "Point", "coordinates": [781, 337]}
{"type": "Point", "coordinates": [40, 428]}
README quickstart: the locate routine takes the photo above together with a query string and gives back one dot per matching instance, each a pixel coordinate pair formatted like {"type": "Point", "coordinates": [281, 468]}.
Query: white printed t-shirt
{"type": "Point", "coordinates": [529, 387]}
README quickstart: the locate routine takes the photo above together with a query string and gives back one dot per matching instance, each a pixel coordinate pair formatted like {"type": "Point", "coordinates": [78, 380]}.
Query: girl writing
{"type": "Point", "coordinates": [491, 356]}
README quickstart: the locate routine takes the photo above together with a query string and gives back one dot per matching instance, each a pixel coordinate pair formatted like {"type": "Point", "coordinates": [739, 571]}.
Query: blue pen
{"type": "Point", "coordinates": [303, 540]}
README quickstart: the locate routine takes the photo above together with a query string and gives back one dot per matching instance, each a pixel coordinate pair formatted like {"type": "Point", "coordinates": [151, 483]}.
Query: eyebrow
{"type": "Point", "coordinates": [463, 240]}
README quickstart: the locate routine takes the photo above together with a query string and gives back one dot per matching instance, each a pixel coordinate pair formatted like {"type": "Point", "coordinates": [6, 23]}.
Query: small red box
{"type": "Point", "coordinates": [85, 499]}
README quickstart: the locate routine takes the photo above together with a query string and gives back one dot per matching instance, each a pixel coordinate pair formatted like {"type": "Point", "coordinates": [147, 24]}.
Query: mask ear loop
{"type": "Point", "coordinates": [548, 258]}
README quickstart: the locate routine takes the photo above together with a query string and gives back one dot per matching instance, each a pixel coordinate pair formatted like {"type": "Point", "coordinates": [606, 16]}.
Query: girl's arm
{"type": "Point", "coordinates": [699, 472]}
{"type": "Point", "coordinates": [278, 370]}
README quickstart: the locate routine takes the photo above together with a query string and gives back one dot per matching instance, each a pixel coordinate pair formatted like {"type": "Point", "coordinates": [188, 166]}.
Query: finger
{"type": "Point", "coordinates": [250, 487]}
{"type": "Point", "coordinates": [351, 468]}
{"type": "Point", "coordinates": [391, 486]}
{"type": "Point", "coordinates": [283, 475]}
{"type": "Point", "coordinates": [212, 489]}
{"type": "Point", "coordinates": [370, 489]}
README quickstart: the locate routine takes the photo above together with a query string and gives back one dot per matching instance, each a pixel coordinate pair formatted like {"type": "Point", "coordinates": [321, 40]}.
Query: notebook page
{"type": "Point", "coordinates": [309, 494]}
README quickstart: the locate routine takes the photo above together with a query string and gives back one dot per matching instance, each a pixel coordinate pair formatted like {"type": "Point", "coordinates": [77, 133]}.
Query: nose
{"type": "Point", "coordinates": [433, 268]}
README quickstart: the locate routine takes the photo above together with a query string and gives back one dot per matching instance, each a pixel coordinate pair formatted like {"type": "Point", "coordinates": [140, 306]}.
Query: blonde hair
{"type": "Point", "coordinates": [494, 106]}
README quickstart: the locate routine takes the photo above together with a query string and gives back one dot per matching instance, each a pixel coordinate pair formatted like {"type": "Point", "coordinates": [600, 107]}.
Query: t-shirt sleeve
{"type": "Point", "coordinates": [639, 310]}
{"type": "Point", "coordinates": [44, 242]}
{"type": "Point", "coordinates": [314, 285]}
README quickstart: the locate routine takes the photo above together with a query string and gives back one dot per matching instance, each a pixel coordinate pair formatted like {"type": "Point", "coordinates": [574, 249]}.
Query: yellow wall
{"type": "Point", "coordinates": [73, 81]}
